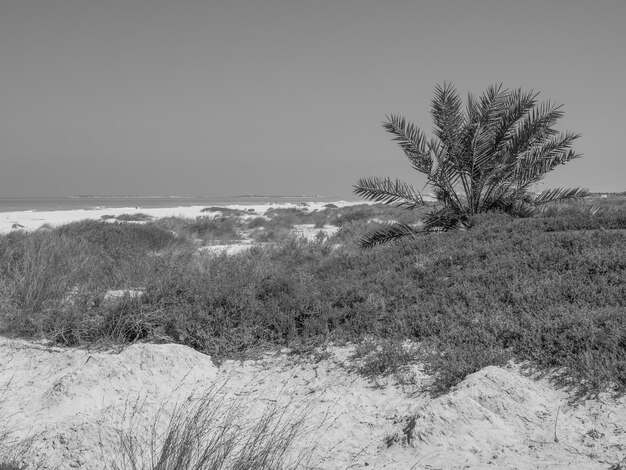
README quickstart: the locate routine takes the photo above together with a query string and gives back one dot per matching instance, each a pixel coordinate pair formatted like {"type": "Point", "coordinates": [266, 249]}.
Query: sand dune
{"type": "Point", "coordinates": [73, 400]}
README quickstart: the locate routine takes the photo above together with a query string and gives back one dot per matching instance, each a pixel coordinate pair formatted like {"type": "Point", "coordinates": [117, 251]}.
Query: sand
{"type": "Point", "coordinates": [73, 400]}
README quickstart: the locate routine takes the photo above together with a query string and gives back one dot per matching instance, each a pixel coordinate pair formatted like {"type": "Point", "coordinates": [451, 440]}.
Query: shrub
{"type": "Point", "coordinates": [383, 357]}
{"type": "Point", "coordinates": [271, 234]}
{"type": "Point", "coordinates": [51, 283]}
{"type": "Point", "coordinates": [138, 217]}
{"type": "Point", "coordinates": [225, 211]}
{"type": "Point", "coordinates": [206, 229]}
{"type": "Point", "coordinates": [37, 272]}
{"type": "Point", "coordinates": [256, 222]}
{"type": "Point", "coordinates": [119, 240]}
{"type": "Point", "coordinates": [222, 229]}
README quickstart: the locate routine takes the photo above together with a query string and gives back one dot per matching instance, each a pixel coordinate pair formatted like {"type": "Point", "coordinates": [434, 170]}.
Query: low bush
{"type": "Point", "coordinates": [257, 222]}
{"type": "Point", "coordinates": [558, 219]}
{"type": "Point", "coordinates": [225, 211]}
{"type": "Point", "coordinates": [52, 282]}
{"type": "Point", "coordinates": [222, 229]}
{"type": "Point", "coordinates": [271, 234]}
{"type": "Point", "coordinates": [208, 230]}
{"type": "Point", "coordinates": [286, 218]}
{"type": "Point", "coordinates": [138, 217]}
{"type": "Point", "coordinates": [119, 240]}
{"type": "Point", "coordinates": [37, 271]}
{"type": "Point", "coordinates": [350, 234]}
{"type": "Point", "coordinates": [383, 357]}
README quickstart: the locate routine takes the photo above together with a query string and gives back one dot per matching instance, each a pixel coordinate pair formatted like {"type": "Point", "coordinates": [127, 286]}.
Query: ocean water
{"type": "Point", "coordinates": [10, 204]}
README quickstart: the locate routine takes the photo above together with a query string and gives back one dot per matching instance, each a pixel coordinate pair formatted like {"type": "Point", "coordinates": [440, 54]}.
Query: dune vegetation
{"type": "Point", "coordinates": [548, 290]}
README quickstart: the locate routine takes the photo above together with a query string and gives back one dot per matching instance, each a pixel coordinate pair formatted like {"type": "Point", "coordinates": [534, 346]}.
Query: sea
{"type": "Point", "coordinates": [11, 204]}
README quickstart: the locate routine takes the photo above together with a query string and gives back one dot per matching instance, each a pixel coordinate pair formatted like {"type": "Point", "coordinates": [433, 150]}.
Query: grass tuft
{"type": "Point", "coordinates": [217, 433]}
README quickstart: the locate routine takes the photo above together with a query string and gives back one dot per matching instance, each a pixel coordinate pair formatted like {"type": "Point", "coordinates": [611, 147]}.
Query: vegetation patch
{"type": "Point", "coordinates": [548, 290]}
{"type": "Point", "coordinates": [138, 217]}
{"type": "Point", "coordinates": [382, 357]}
{"type": "Point", "coordinates": [206, 230]}
{"type": "Point", "coordinates": [225, 211]}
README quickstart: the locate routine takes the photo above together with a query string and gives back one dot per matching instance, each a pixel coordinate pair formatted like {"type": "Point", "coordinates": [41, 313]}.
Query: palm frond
{"type": "Point", "coordinates": [492, 105]}
{"type": "Point", "coordinates": [516, 205]}
{"type": "Point", "coordinates": [501, 193]}
{"type": "Point", "coordinates": [443, 219]}
{"type": "Point", "coordinates": [411, 139]}
{"type": "Point", "coordinates": [388, 234]}
{"type": "Point", "coordinates": [448, 117]}
{"type": "Point", "coordinates": [533, 165]}
{"type": "Point", "coordinates": [388, 191]}
{"type": "Point", "coordinates": [535, 128]}
{"type": "Point", "coordinates": [492, 111]}
{"type": "Point", "coordinates": [560, 194]}
{"type": "Point", "coordinates": [517, 107]}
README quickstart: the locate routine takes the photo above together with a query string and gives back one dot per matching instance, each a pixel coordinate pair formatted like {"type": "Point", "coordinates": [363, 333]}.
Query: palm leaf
{"type": "Point", "coordinates": [560, 194]}
{"type": "Point", "coordinates": [447, 114]}
{"type": "Point", "coordinates": [411, 139]}
{"type": "Point", "coordinates": [533, 165]}
{"type": "Point", "coordinates": [492, 111]}
{"type": "Point", "coordinates": [517, 105]}
{"type": "Point", "coordinates": [388, 234]}
{"type": "Point", "coordinates": [443, 219]}
{"type": "Point", "coordinates": [535, 128]}
{"type": "Point", "coordinates": [388, 191]}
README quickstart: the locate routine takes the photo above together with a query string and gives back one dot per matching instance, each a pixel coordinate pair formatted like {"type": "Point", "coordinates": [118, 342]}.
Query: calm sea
{"type": "Point", "coordinates": [9, 204]}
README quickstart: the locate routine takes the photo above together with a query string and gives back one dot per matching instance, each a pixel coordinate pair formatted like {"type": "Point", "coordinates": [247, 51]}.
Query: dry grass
{"type": "Point", "coordinates": [215, 431]}
{"type": "Point", "coordinates": [13, 450]}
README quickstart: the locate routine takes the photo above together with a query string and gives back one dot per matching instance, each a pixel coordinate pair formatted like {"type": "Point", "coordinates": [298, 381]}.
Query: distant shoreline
{"type": "Point", "coordinates": [86, 202]}
{"type": "Point", "coordinates": [173, 196]}
{"type": "Point", "coordinates": [30, 220]}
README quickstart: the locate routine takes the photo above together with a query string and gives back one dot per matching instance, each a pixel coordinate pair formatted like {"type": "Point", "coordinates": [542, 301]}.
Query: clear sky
{"type": "Point", "coordinates": [227, 97]}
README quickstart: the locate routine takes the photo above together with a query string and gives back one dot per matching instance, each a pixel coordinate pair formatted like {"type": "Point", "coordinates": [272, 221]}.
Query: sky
{"type": "Point", "coordinates": [284, 97]}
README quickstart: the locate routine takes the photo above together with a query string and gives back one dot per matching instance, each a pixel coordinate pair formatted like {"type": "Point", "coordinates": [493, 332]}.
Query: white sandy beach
{"type": "Point", "coordinates": [32, 220]}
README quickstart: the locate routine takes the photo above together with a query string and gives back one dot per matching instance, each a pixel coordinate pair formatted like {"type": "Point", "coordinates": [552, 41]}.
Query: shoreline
{"type": "Point", "coordinates": [15, 204]}
{"type": "Point", "coordinates": [31, 220]}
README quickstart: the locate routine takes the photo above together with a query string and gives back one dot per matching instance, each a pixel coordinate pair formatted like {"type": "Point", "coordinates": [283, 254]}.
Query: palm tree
{"type": "Point", "coordinates": [483, 158]}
